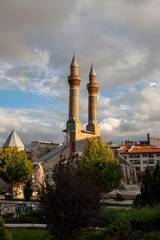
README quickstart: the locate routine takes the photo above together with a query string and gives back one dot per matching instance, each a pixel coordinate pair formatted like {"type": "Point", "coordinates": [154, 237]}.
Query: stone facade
{"type": "Point", "coordinates": [40, 148]}
{"type": "Point", "coordinates": [129, 171]}
{"type": "Point", "coordinates": [45, 165]}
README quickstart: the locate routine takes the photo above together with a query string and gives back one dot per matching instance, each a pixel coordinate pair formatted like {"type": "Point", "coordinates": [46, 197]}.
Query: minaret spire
{"type": "Point", "coordinates": [92, 87]}
{"type": "Point", "coordinates": [74, 61]}
{"type": "Point", "coordinates": [74, 81]}
{"type": "Point", "coordinates": [92, 71]}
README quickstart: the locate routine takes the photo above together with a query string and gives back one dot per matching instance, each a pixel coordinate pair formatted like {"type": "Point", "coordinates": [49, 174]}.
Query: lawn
{"type": "Point", "coordinates": [30, 234]}
{"type": "Point", "coordinates": [128, 224]}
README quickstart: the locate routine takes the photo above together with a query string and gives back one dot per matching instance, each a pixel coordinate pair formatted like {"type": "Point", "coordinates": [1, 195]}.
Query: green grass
{"type": "Point", "coordinates": [30, 234]}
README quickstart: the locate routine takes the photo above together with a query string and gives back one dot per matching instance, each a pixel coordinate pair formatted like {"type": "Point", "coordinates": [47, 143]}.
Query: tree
{"type": "Point", "coordinates": [156, 183]}
{"type": "Point", "coordinates": [14, 166]}
{"type": "Point", "coordinates": [99, 163]}
{"type": "Point", "coordinates": [70, 203]}
{"type": "Point", "coordinates": [4, 233]}
{"type": "Point", "coordinates": [150, 188]}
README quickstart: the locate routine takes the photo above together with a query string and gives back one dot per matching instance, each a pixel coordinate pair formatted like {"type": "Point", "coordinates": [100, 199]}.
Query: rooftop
{"type": "Point", "coordinates": [13, 141]}
{"type": "Point", "coordinates": [139, 149]}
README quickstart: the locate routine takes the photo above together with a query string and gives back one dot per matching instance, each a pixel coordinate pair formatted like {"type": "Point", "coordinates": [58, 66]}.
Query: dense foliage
{"type": "Point", "coordinates": [131, 224]}
{"type": "Point", "coordinates": [70, 203]}
{"type": "Point", "coordinates": [99, 163]}
{"type": "Point", "coordinates": [28, 191]}
{"type": "Point", "coordinates": [14, 166]}
{"type": "Point", "coordinates": [4, 233]}
{"type": "Point", "coordinates": [150, 188]}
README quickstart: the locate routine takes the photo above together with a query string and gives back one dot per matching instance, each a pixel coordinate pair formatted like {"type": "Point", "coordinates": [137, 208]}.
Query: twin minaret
{"type": "Point", "coordinates": [74, 127]}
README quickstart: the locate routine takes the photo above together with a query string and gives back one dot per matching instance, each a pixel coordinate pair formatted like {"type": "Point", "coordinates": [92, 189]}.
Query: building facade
{"type": "Point", "coordinates": [141, 156]}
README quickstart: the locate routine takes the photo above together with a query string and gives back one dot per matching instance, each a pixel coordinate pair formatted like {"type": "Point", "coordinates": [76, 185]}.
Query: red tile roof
{"type": "Point", "coordinates": [139, 149]}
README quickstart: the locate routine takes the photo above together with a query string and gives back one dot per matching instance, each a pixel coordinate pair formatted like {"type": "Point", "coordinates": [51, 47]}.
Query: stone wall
{"type": "Point", "coordinates": [129, 171]}
{"type": "Point", "coordinates": [40, 148]}
{"type": "Point", "coordinates": [45, 168]}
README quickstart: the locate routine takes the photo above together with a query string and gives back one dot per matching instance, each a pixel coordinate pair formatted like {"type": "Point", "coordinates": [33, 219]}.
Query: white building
{"type": "Point", "coordinates": [140, 156]}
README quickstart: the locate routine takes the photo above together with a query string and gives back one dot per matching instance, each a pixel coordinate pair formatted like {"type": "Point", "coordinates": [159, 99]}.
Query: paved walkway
{"type": "Point", "coordinates": [25, 225]}
{"type": "Point", "coordinates": [113, 201]}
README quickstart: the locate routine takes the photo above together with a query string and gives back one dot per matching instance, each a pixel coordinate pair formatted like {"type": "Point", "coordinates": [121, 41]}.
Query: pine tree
{"type": "Point", "coordinates": [147, 188]}
{"type": "Point", "coordinates": [150, 188]}
{"type": "Point", "coordinates": [156, 182]}
{"type": "Point", "coordinates": [99, 163]}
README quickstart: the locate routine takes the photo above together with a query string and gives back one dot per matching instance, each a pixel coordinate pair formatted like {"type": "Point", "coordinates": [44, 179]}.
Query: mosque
{"type": "Point", "coordinates": [45, 155]}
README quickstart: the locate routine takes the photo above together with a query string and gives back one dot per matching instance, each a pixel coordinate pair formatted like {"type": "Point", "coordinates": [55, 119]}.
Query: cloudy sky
{"type": "Point", "coordinates": [37, 41]}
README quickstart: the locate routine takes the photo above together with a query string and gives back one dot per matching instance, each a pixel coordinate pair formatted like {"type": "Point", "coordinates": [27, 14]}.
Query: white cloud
{"type": "Point", "coordinates": [31, 125]}
{"type": "Point", "coordinates": [120, 37]}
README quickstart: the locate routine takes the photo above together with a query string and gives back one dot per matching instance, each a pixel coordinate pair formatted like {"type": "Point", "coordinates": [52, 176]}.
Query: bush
{"type": "Point", "coordinates": [144, 219]}
{"type": "Point", "coordinates": [70, 203]}
{"type": "Point", "coordinates": [8, 196]}
{"type": "Point", "coordinates": [139, 235]}
{"type": "Point", "coordinates": [150, 189]}
{"type": "Point", "coordinates": [28, 193]}
{"type": "Point", "coordinates": [4, 233]}
{"type": "Point", "coordinates": [91, 235]}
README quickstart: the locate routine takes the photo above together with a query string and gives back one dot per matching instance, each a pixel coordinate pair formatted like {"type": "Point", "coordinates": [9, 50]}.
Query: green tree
{"type": "Point", "coordinates": [4, 233]}
{"type": "Point", "coordinates": [156, 182]}
{"type": "Point", "coordinates": [14, 166]}
{"type": "Point", "coordinates": [150, 188]}
{"type": "Point", "coordinates": [99, 163]}
{"type": "Point", "coordinates": [71, 203]}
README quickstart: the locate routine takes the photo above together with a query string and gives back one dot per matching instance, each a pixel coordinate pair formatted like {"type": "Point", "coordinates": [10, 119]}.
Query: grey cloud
{"type": "Point", "coordinates": [120, 37]}
{"type": "Point", "coordinates": [139, 115]}
{"type": "Point", "coordinates": [123, 45]}
{"type": "Point", "coordinates": [31, 125]}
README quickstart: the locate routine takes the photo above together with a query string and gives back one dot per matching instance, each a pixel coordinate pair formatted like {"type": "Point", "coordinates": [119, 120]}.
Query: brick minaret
{"type": "Point", "coordinates": [92, 87]}
{"type": "Point", "coordinates": [73, 124]}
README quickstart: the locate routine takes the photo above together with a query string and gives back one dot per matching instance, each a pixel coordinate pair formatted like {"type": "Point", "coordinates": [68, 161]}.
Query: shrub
{"type": "Point", "coordinates": [28, 193]}
{"type": "Point", "coordinates": [91, 235]}
{"type": "Point", "coordinates": [4, 233]}
{"type": "Point", "coordinates": [122, 231]}
{"type": "Point", "coordinates": [144, 219]}
{"type": "Point", "coordinates": [8, 196]}
{"type": "Point", "coordinates": [69, 204]}
{"type": "Point", "coordinates": [139, 235]}
{"type": "Point", "coordinates": [150, 189]}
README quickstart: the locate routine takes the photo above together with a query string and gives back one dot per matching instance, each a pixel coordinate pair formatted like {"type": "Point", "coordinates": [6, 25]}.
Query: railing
{"type": "Point", "coordinates": [21, 213]}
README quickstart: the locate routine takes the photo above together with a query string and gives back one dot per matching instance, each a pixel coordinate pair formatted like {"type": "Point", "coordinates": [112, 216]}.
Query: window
{"type": "Point", "coordinates": [158, 161]}
{"type": "Point", "coordinates": [144, 154]}
{"type": "Point", "coordinates": [145, 162]}
{"type": "Point", "coordinates": [135, 161]}
{"type": "Point", "coordinates": [150, 155]}
{"type": "Point", "coordinates": [138, 168]}
{"type": "Point", "coordinates": [134, 155]}
{"type": "Point", "coordinates": [151, 161]}
{"type": "Point", "coordinates": [157, 154]}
